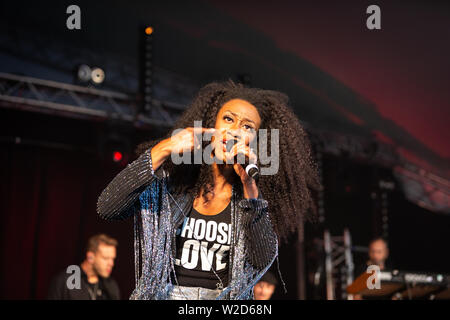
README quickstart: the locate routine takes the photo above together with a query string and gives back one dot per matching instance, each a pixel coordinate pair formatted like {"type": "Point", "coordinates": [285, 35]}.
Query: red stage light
{"type": "Point", "coordinates": [117, 156]}
{"type": "Point", "coordinates": [148, 30]}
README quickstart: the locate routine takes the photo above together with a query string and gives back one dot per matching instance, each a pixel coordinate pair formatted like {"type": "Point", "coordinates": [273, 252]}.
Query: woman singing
{"type": "Point", "coordinates": [209, 230]}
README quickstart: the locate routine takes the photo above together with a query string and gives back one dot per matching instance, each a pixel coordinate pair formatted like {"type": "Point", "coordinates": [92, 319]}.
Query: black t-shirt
{"type": "Point", "coordinates": [203, 246]}
{"type": "Point", "coordinates": [362, 268]}
{"type": "Point", "coordinates": [105, 289]}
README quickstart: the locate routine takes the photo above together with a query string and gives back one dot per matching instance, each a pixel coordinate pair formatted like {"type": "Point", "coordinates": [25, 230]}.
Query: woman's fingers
{"type": "Point", "coordinates": [241, 148]}
{"type": "Point", "coordinates": [191, 138]}
{"type": "Point", "coordinates": [198, 132]}
{"type": "Point", "coordinates": [239, 170]}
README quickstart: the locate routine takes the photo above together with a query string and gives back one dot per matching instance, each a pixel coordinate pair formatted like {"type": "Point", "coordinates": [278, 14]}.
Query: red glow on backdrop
{"type": "Point", "coordinates": [406, 82]}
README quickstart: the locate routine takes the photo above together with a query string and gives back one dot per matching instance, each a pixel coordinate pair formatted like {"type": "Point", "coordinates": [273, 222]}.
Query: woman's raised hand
{"type": "Point", "coordinates": [188, 138]}
{"type": "Point", "coordinates": [184, 140]}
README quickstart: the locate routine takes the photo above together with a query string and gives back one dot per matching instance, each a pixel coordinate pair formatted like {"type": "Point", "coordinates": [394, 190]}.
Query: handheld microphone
{"type": "Point", "coordinates": [250, 168]}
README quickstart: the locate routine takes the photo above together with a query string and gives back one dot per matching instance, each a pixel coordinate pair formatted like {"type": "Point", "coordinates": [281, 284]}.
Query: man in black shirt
{"type": "Point", "coordinates": [91, 280]}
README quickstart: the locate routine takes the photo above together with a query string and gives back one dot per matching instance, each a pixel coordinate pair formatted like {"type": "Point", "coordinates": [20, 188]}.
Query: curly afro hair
{"type": "Point", "coordinates": [290, 192]}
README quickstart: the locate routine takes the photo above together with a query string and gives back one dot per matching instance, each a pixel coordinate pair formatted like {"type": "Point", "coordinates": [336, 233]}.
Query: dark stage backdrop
{"type": "Point", "coordinates": [48, 201]}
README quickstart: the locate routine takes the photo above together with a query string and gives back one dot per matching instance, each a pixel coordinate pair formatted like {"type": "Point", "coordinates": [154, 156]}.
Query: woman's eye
{"type": "Point", "coordinates": [247, 127]}
{"type": "Point", "coordinates": [227, 118]}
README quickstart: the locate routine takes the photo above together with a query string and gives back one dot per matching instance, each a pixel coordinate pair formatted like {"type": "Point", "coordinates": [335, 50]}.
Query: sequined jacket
{"type": "Point", "coordinates": [140, 191]}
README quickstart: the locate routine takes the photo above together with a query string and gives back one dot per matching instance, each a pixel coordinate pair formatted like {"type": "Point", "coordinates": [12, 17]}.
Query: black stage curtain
{"type": "Point", "coordinates": [48, 202]}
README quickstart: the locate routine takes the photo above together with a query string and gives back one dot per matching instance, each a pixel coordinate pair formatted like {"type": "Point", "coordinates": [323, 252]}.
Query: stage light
{"type": "Point", "coordinates": [145, 68]}
{"type": "Point", "coordinates": [114, 144]}
{"type": "Point", "coordinates": [117, 156]}
{"type": "Point", "coordinates": [148, 30]}
{"type": "Point", "coordinates": [97, 75]}
{"type": "Point", "coordinates": [84, 73]}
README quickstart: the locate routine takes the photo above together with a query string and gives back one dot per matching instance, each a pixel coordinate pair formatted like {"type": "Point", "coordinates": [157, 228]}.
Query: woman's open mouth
{"type": "Point", "coordinates": [227, 144]}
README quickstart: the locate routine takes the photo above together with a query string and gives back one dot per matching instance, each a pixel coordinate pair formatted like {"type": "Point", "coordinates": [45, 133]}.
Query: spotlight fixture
{"type": "Point", "coordinates": [148, 30]}
{"type": "Point", "coordinates": [146, 68]}
{"type": "Point", "coordinates": [114, 146]}
{"type": "Point", "coordinates": [84, 73]}
{"type": "Point", "coordinates": [117, 156]}
{"type": "Point", "coordinates": [97, 75]}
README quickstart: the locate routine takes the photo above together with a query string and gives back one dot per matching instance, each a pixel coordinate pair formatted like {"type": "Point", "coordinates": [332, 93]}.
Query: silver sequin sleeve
{"type": "Point", "coordinates": [260, 235]}
{"type": "Point", "coordinates": [119, 198]}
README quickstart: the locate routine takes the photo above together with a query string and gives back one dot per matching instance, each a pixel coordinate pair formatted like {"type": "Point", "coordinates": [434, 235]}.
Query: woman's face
{"type": "Point", "coordinates": [236, 119]}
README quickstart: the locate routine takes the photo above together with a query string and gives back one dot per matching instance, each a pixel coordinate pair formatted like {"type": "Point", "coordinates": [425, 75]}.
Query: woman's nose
{"type": "Point", "coordinates": [236, 134]}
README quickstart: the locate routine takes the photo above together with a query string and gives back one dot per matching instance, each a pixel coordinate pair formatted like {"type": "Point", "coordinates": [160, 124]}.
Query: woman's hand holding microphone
{"type": "Point", "coordinates": [189, 138]}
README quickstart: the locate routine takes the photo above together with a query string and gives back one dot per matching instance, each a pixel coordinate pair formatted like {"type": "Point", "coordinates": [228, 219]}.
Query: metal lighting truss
{"type": "Point", "coordinates": [121, 71]}
{"type": "Point", "coordinates": [425, 188]}
{"type": "Point", "coordinates": [173, 91]}
{"type": "Point", "coordinates": [338, 263]}
{"type": "Point", "coordinates": [53, 97]}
